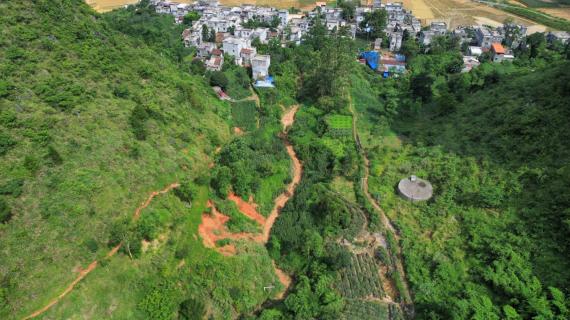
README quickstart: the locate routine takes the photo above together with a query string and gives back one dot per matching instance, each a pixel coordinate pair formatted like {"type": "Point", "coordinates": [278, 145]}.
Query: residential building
{"type": "Point", "coordinates": [485, 37]}
{"type": "Point", "coordinates": [260, 66]}
{"type": "Point", "coordinates": [561, 36]}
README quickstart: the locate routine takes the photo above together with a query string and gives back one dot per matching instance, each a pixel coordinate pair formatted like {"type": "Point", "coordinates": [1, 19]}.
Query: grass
{"type": "Point", "coordinates": [335, 146]}
{"type": "Point", "coordinates": [344, 187]}
{"type": "Point", "coordinates": [540, 17]}
{"type": "Point", "coordinates": [272, 186]}
{"type": "Point", "coordinates": [244, 115]}
{"type": "Point", "coordinates": [234, 88]}
{"type": "Point", "coordinates": [238, 222]}
{"type": "Point", "coordinates": [545, 4]}
{"type": "Point", "coordinates": [338, 121]}
{"type": "Point", "coordinates": [365, 310]}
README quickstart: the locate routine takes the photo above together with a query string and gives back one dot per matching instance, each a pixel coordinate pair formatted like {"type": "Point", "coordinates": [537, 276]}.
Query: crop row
{"type": "Point", "coordinates": [365, 310]}
{"type": "Point", "coordinates": [360, 279]}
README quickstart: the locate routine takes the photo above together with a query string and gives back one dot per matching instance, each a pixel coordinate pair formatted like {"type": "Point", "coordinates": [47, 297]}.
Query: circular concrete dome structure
{"type": "Point", "coordinates": [415, 189]}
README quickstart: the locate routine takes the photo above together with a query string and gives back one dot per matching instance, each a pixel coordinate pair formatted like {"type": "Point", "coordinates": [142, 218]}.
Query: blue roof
{"type": "Point", "coordinates": [371, 58]}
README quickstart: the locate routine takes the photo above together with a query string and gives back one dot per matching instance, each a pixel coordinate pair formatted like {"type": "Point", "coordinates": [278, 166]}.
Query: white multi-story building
{"type": "Point", "coordinates": [233, 46]}
{"type": "Point", "coordinates": [260, 66]}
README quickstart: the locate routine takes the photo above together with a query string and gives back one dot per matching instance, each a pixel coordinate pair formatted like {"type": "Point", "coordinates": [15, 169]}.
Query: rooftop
{"type": "Point", "coordinates": [415, 189]}
{"type": "Point", "coordinates": [497, 48]}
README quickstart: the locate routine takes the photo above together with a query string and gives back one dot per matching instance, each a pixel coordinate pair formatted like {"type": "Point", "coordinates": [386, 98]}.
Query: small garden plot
{"type": "Point", "coordinates": [244, 114]}
{"type": "Point", "coordinates": [238, 83]}
{"type": "Point", "coordinates": [365, 310]}
{"type": "Point", "coordinates": [335, 146]}
{"type": "Point", "coordinates": [339, 125]}
{"type": "Point", "coordinates": [360, 279]}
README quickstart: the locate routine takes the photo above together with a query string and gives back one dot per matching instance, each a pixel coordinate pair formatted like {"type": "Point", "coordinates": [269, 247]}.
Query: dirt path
{"type": "Point", "coordinates": [247, 208]}
{"type": "Point", "coordinates": [83, 273]}
{"type": "Point", "coordinates": [385, 220]}
{"type": "Point", "coordinates": [213, 226]}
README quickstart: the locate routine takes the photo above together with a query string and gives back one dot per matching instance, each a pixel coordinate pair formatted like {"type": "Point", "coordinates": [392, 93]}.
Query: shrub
{"type": "Point", "coordinates": [138, 118]}
{"type": "Point", "coordinates": [192, 309]}
{"type": "Point", "coordinates": [148, 226]}
{"type": "Point", "coordinates": [53, 156]}
{"type": "Point", "coordinates": [218, 78]}
{"type": "Point", "coordinates": [160, 302]}
{"type": "Point", "coordinates": [91, 244]}
{"type": "Point", "coordinates": [6, 143]}
{"type": "Point", "coordinates": [12, 187]}
{"type": "Point", "coordinates": [186, 191]}
{"type": "Point", "coordinates": [5, 212]}
{"type": "Point", "coordinates": [182, 251]}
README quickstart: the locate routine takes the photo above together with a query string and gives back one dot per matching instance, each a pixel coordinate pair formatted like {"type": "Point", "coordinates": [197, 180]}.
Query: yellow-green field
{"type": "Point", "coordinates": [463, 12]}
{"type": "Point", "coordinates": [454, 12]}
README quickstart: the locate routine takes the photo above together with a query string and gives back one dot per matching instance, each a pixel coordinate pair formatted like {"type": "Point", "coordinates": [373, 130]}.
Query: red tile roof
{"type": "Point", "coordinates": [217, 52]}
{"type": "Point", "coordinates": [392, 62]}
{"type": "Point", "coordinates": [498, 48]}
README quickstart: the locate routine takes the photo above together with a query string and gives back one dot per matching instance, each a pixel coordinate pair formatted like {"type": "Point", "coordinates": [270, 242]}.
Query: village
{"type": "Point", "coordinates": [218, 30]}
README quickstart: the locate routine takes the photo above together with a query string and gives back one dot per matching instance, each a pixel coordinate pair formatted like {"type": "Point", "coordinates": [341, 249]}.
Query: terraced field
{"type": "Point", "coordinates": [361, 278]}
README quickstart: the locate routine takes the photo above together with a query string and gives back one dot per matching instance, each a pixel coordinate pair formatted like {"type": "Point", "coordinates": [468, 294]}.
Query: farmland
{"type": "Point", "coordinates": [244, 115]}
{"type": "Point", "coordinates": [462, 12]}
{"type": "Point", "coordinates": [361, 278]}
{"type": "Point", "coordinates": [108, 5]}
{"type": "Point", "coordinates": [365, 310]}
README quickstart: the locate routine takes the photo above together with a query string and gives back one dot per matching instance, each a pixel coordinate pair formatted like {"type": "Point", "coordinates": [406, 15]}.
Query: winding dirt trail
{"type": "Point", "coordinates": [213, 226]}
{"type": "Point", "coordinates": [385, 220]}
{"type": "Point", "coordinates": [83, 273]}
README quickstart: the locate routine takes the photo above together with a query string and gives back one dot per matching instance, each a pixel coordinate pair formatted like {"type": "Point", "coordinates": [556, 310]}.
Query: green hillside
{"type": "Point", "coordinates": [91, 122]}
{"type": "Point", "coordinates": [492, 242]}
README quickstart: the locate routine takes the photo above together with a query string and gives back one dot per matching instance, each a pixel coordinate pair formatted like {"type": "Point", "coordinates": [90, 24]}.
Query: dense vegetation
{"type": "Point", "coordinates": [96, 112]}
{"type": "Point", "coordinates": [492, 243]}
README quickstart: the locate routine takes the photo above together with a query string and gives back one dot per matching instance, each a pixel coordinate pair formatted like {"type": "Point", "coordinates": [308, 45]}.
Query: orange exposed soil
{"type": "Point", "coordinates": [247, 208]}
{"type": "Point", "coordinates": [93, 264]}
{"type": "Point", "coordinates": [238, 131]}
{"type": "Point", "coordinates": [213, 226]}
{"type": "Point", "coordinates": [284, 278]}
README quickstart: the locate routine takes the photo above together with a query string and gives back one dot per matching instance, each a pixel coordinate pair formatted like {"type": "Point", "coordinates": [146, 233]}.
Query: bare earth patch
{"type": "Point", "coordinates": [213, 228]}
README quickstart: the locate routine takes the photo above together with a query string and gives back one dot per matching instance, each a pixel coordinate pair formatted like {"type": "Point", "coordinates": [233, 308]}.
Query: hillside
{"type": "Point", "coordinates": [91, 123]}
{"type": "Point", "coordinates": [516, 123]}
{"type": "Point", "coordinates": [491, 244]}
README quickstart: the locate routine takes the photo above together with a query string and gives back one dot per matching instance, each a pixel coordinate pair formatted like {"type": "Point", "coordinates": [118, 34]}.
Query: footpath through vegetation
{"type": "Point", "coordinates": [213, 228]}
{"type": "Point", "coordinates": [83, 273]}
{"type": "Point", "coordinates": [404, 290]}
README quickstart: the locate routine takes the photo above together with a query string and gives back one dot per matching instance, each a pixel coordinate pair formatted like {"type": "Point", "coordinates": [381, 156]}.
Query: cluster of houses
{"type": "Point", "coordinates": [219, 30]}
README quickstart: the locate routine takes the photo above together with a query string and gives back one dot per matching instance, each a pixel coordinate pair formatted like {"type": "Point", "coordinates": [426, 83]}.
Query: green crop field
{"type": "Point", "coordinates": [365, 310]}
{"type": "Point", "coordinates": [244, 114]}
{"type": "Point", "coordinates": [361, 278]}
{"type": "Point", "coordinates": [545, 4]}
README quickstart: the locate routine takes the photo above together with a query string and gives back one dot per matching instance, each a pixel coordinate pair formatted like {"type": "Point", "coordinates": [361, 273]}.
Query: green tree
{"type": "Point", "coordinates": [218, 78]}
{"type": "Point", "coordinates": [190, 17]}
{"type": "Point", "coordinates": [376, 20]}
{"type": "Point", "coordinates": [205, 33]}
{"type": "Point", "coordinates": [348, 9]}
{"type": "Point", "coordinates": [192, 309]}
{"type": "Point", "coordinates": [5, 211]}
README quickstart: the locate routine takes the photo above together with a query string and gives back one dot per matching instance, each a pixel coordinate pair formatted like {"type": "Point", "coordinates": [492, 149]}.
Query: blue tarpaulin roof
{"type": "Point", "coordinates": [371, 58]}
